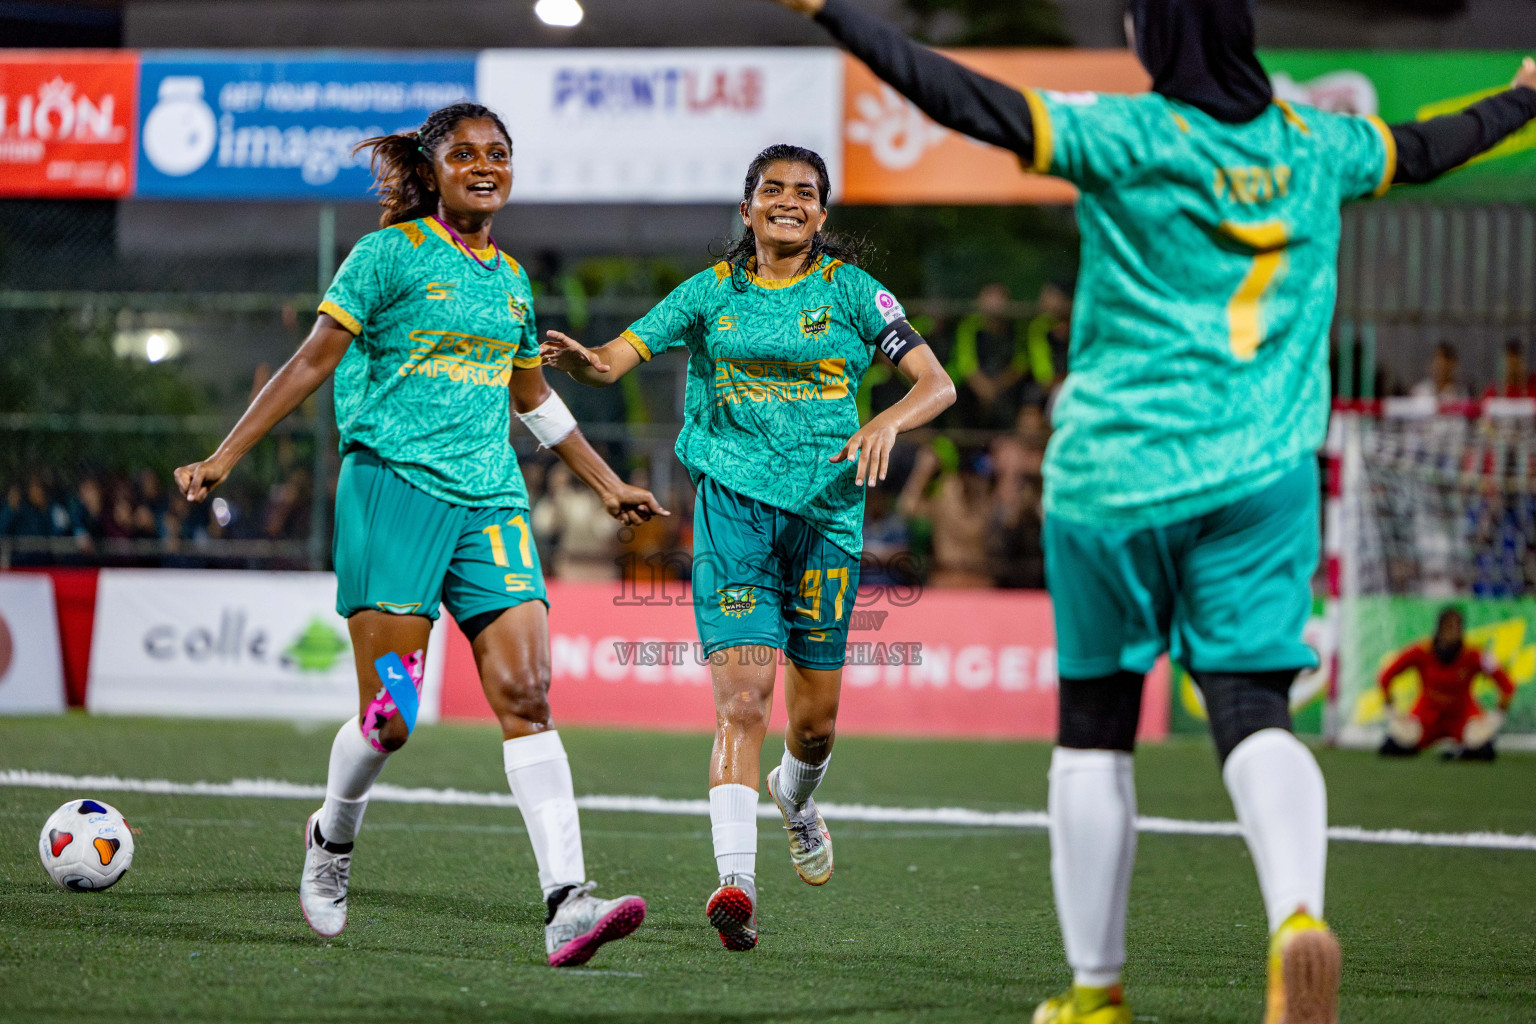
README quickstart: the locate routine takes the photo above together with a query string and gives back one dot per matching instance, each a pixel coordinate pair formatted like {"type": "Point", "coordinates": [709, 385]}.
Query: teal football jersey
{"type": "Point", "coordinates": [1199, 353]}
{"type": "Point", "coordinates": [425, 381]}
{"type": "Point", "coordinates": [774, 369]}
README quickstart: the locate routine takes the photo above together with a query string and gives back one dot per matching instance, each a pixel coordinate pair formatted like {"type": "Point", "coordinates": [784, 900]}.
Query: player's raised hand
{"type": "Point", "coordinates": [870, 449]}
{"type": "Point", "coordinates": [806, 7]}
{"type": "Point", "coordinates": [198, 479]}
{"type": "Point", "coordinates": [632, 505]}
{"type": "Point", "coordinates": [566, 354]}
{"type": "Point", "coordinates": [1527, 74]}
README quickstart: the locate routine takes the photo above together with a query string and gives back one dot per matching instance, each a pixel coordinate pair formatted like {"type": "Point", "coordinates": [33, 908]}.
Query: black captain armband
{"type": "Point", "coordinates": [898, 338]}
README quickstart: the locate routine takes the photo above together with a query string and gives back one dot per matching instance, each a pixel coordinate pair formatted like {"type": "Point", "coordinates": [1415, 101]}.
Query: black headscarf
{"type": "Point", "coordinates": [1202, 52]}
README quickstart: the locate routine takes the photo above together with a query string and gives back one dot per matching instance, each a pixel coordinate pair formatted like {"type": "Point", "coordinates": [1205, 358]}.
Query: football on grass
{"type": "Point", "coordinates": [85, 845]}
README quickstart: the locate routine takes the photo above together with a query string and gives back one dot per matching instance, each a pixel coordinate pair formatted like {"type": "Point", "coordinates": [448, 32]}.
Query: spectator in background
{"type": "Point", "coordinates": [86, 509]}
{"type": "Point", "coordinates": [988, 363]}
{"type": "Point", "coordinates": [1442, 383]}
{"type": "Point", "coordinates": [573, 519]}
{"type": "Point", "coordinates": [1514, 377]}
{"type": "Point", "coordinates": [1017, 512]}
{"type": "Point", "coordinates": [957, 506]}
{"type": "Point", "coordinates": [887, 553]}
{"type": "Point", "coordinates": [1049, 341]}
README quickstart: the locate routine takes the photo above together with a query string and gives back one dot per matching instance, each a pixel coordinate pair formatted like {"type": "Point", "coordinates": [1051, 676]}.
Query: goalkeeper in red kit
{"type": "Point", "coordinates": [1446, 708]}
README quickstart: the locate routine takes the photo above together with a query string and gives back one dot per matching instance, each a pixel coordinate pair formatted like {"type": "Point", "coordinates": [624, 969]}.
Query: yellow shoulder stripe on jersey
{"type": "Point", "coordinates": [1293, 117]}
{"type": "Point", "coordinates": [527, 362]}
{"type": "Point", "coordinates": [511, 262]}
{"type": "Point", "coordinates": [638, 345]}
{"type": "Point", "coordinates": [1044, 141]}
{"type": "Point", "coordinates": [827, 273]}
{"type": "Point", "coordinates": [722, 270]}
{"type": "Point", "coordinates": [1178, 119]}
{"type": "Point", "coordinates": [1389, 171]}
{"type": "Point", "coordinates": [342, 317]}
{"type": "Point", "coordinates": [437, 229]}
{"type": "Point", "coordinates": [412, 230]}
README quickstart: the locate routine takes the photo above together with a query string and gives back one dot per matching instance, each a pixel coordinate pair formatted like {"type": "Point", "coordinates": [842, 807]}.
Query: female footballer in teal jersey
{"type": "Point", "coordinates": [430, 331]}
{"type": "Point", "coordinates": [1181, 484]}
{"type": "Point", "coordinates": [779, 335]}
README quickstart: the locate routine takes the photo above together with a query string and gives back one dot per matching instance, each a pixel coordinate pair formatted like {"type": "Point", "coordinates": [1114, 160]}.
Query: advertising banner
{"type": "Point", "coordinates": [1415, 86]}
{"type": "Point", "coordinates": [658, 126]}
{"type": "Point", "coordinates": [31, 663]}
{"type": "Point", "coordinates": [1375, 629]}
{"type": "Point", "coordinates": [67, 121]}
{"type": "Point", "coordinates": [276, 125]}
{"type": "Point", "coordinates": [895, 154]}
{"type": "Point", "coordinates": [934, 663]}
{"type": "Point", "coordinates": [231, 644]}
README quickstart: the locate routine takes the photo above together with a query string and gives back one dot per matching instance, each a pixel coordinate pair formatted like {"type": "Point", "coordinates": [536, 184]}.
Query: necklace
{"type": "Point", "coordinates": [495, 252]}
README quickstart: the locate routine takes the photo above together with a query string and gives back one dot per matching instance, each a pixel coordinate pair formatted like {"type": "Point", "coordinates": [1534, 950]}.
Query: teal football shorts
{"type": "Point", "coordinates": [398, 549]}
{"type": "Point", "coordinates": [1229, 591]}
{"type": "Point", "coordinates": [764, 576]}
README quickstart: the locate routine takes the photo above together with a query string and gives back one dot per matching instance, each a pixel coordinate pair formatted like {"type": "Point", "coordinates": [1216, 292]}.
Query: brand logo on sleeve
{"type": "Point", "coordinates": [889, 308]}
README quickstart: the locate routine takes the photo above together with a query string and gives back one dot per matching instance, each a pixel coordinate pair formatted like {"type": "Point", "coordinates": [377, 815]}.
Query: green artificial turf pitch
{"type": "Point", "coordinates": [920, 923]}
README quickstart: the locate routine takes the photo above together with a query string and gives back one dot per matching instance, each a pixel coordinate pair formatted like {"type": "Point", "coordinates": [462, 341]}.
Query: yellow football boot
{"type": "Point", "coordinates": [1304, 963]}
{"type": "Point", "coordinates": [1083, 1005]}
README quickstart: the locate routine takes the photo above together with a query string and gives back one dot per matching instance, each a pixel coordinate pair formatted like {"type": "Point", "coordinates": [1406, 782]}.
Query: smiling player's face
{"type": "Point", "coordinates": [785, 210]}
{"type": "Point", "coordinates": [472, 170]}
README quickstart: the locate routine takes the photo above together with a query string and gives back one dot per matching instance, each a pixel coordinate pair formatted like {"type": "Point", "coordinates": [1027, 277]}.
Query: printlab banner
{"type": "Point", "coordinates": [208, 643]}
{"type": "Point", "coordinates": [67, 120]}
{"type": "Point", "coordinates": [31, 661]}
{"type": "Point", "coordinates": [938, 663]}
{"type": "Point", "coordinates": [1376, 628]}
{"type": "Point", "coordinates": [275, 125]}
{"type": "Point", "coordinates": [658, 126]}
{"type": "Point", "coordinates": [1415, 87]}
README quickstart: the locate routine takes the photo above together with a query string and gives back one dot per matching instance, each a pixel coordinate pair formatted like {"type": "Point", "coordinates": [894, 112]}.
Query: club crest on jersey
{"type": "Point", "coordinates": [814, 323]}
{"type": "Point", "coordinates": [737, 602]}
{"type": "Point", "coordinates": [517, 307]}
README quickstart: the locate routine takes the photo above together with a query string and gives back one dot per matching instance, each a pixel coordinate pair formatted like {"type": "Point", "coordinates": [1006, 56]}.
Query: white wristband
{"type": "Point", "coordinates": [551, 422]}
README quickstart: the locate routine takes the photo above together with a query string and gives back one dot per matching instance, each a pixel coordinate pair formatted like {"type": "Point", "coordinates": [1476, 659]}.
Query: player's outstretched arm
{"type": "Point", "coordinates": [299, 377]}
{"type": "Point", "coordinates": [931, 393]}
{"type": "Point", "coordinates": [597, 367]}
{"type": "Point", "coordinates": [542, 411]}
{"type": "Point", "coordinates": [1428, 149]}
{"type": "Point", "coordinates": [950, 93]}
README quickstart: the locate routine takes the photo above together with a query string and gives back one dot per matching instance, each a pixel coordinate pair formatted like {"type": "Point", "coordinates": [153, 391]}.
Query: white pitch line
{"type": "Point", "coordinates": [276, 789]}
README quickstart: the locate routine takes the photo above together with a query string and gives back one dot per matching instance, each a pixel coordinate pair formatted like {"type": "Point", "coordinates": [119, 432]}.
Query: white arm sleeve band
{"type": "Point", "coordinates": [551, 422]}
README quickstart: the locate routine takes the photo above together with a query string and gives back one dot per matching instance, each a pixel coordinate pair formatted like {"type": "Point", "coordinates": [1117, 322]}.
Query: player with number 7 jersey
{"type": "Point", "coordinates": [428, 327]}
{"type": "Point", "coordinates": [1181, 484]}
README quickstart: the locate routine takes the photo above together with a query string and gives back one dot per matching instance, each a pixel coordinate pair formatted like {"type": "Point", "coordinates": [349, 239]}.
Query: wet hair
{"type": "Point", "coordinates": [742, 253]}
{"type": "Point", "coordinates": [397, 161]}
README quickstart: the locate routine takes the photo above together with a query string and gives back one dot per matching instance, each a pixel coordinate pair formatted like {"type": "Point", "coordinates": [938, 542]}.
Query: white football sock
{"type": "Point", "coordinates": [733, 823]}
{"type": "Point", "coordinates": [1093, 845]}
{"type": "Point", "coordinates": [355, 764]}
{"type": "Point", "coordinates": [798, 780]}
{"type": "Point", "coordinates": [540, 776]}
{"type": "Point", "coordinates": [1282, 805]}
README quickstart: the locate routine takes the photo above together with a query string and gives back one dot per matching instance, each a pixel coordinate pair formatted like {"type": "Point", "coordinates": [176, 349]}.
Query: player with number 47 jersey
{"type": "Point", "coordinates": [779, 335]}
{"type": "Point", "coordinates": [1181, 484]}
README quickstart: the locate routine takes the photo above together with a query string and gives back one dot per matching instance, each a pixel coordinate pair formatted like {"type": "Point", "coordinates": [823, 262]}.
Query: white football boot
{"type": "Point", "coordinates": [810, 844]}
{"type": "Point", "coordinates": [583, 922]}
{"type": "Point", "coordinates": [323, 886]}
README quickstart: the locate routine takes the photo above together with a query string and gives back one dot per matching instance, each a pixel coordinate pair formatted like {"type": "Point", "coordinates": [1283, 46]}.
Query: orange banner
{"type": "Point", "coordinates": [67, 123]}
{"type": "Point", "coordinates": [893, 154]}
